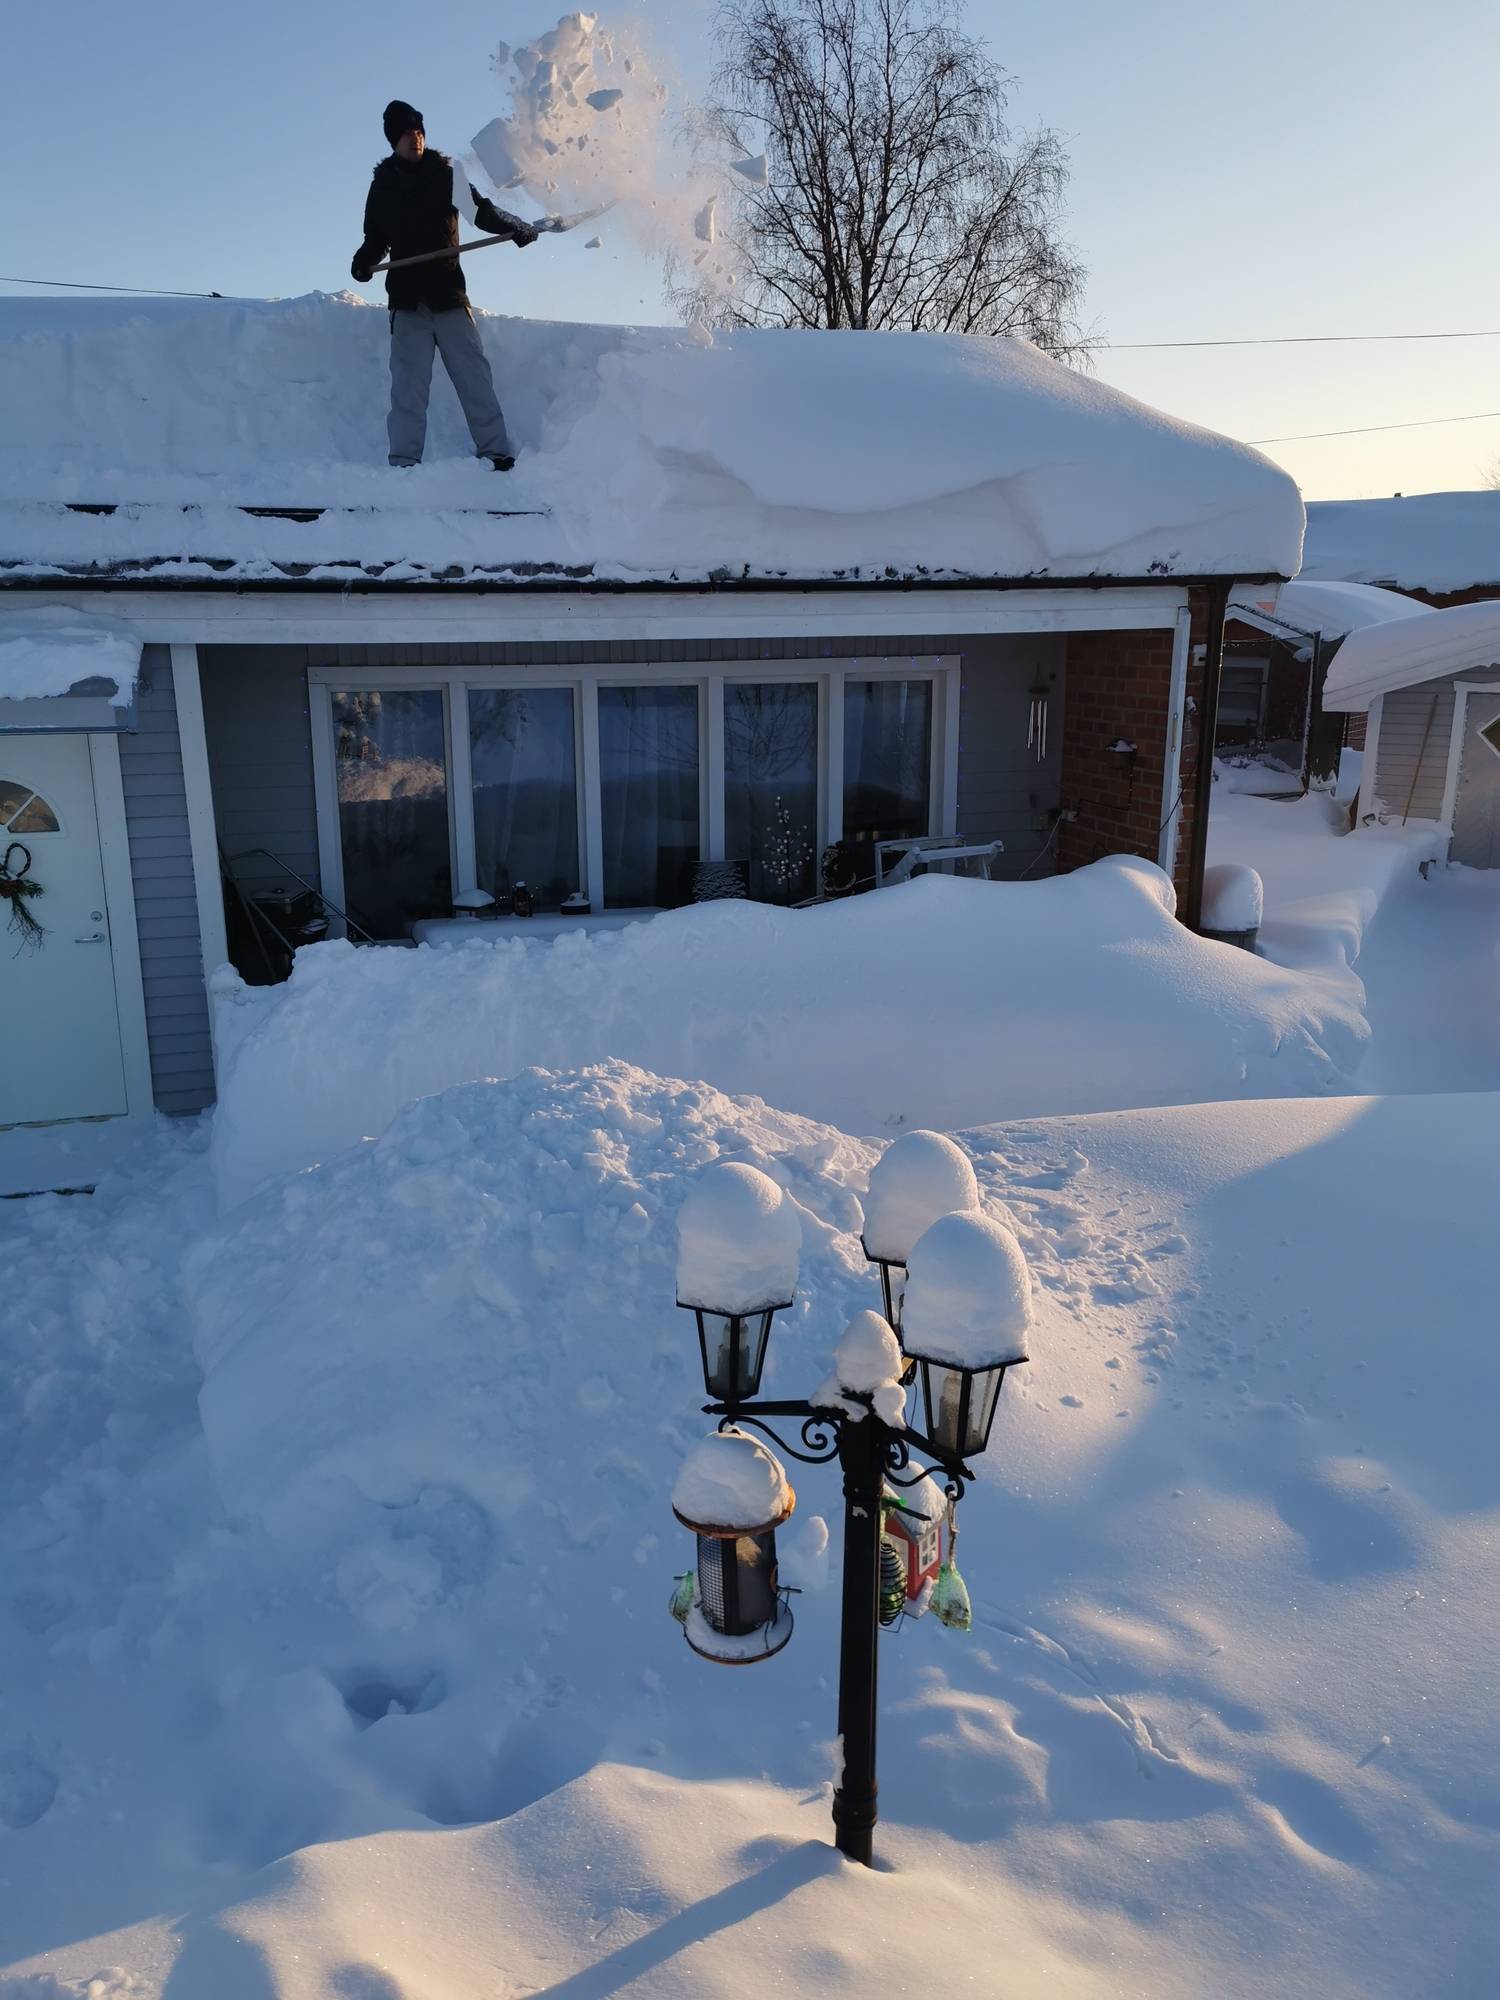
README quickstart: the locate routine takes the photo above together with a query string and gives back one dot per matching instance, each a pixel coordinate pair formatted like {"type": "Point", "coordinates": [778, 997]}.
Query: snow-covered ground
{"type": "Point", "coordinates": [338, 1654]}
{"type": "Point", "coordinates": [1431, 970]}
{"type": "Point", "coordinates": [938, 1003]}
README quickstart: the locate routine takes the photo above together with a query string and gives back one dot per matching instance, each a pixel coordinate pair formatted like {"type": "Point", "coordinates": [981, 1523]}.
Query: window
{"type": "Point", "coordinates": [648, 786]}
{"type": "Point", "coordinates": [887, 759]}
{"type": "Point", "coordinates": [523, 773]}
{"type": "Point", "coordinates": [432, 781]}
{"type": "Point", "coordinates": [1242, 699]}
{"type": "Point", "coordinates": [390, 757]}
{"type": "Point", "coordinates": [24, 811]}
{"type": "Point", "coordinates": [771, 786]}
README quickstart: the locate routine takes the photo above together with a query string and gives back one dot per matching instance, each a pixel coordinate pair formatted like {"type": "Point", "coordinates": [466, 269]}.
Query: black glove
{"type": "Point", "coordinates": [525, 235]}
{"type": "Point", "coordinates": [361, 273]}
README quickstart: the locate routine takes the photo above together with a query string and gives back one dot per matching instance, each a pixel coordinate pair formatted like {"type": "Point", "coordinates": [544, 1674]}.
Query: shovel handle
{"type": "Point", "coordinates": [431, 256]}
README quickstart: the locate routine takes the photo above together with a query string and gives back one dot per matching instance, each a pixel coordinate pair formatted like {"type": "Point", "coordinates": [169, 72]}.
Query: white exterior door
{"type": "Point", "coordinates": [1476, 811]}
{"type": "Point", "coordinates": [61, 1055]}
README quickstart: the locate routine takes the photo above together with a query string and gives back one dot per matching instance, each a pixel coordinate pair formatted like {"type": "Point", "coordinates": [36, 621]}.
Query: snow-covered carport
{"type": "Point", "coordinates": [1431, 687]}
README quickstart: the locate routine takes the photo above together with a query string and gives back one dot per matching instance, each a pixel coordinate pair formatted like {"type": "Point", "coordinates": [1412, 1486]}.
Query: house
{"type": "Point", "coordinates": [1431, 689]}
{"type": "Point", "coordinates": [1442, 548]}
{"type": "Point", "coordinates": [1278, 647]}
{"type": "Point", "coordinates": [744, 597]}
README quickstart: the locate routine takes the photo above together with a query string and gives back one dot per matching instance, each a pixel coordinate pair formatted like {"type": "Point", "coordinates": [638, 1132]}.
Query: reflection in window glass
{"type": "Point", "coordinates": [12, 798]}
{"type": "Point", "coordinates": [34, 816]}
{"type": "Point", "coordinates": [648, 781]}
{"type": "Point", "coordinates": [525, 792]}
{"type": "Point", "coordinates": [887, 759]}
{"type": "Point", "coordinates": [771, 786]}
{"type": "Point", "coordinates": [391, 761]}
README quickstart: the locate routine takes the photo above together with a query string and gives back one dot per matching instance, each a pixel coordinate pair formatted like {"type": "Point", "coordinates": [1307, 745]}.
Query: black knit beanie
{"type": "Point", "coordinates": [401, 117]}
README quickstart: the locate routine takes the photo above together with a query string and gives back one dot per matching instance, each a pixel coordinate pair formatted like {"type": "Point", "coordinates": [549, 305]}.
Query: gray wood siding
{"type": "Point", "coordinates": [1401, 757]}
{"type": "Point", "coordinates": [166, 906]}
{"type": "Point", "coordinates": [1004, 791]}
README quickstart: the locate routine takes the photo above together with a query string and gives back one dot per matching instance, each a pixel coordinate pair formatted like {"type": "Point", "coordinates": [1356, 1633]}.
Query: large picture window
{"type": "Point", "coordinates": [771, 786]}
{"type": "Point", "coordinates": [391, 766]}
{"type": "Point", "coordinates": [432, 782]}
{"type": "Point", "coordinates": [523, 772]}
{"type": "Point", "coordinates": [648, 795]}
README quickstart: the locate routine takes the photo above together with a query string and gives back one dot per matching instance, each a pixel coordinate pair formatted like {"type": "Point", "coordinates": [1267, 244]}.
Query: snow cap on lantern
{"type": "Point", "coordinates": [868, 1362]}
{"type": "Point", "coordinates": [733, 1493]}
{"type": "Point", "coordinates": [966, 1318]}
{"type": "Point", "coordinates": [739, 1237]}
{"type": "Point", "coordinates": [919, 1177]}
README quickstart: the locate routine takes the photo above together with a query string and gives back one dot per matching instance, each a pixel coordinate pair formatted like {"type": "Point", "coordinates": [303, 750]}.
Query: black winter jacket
{"type": "Point", "coordinates": [410, 209]}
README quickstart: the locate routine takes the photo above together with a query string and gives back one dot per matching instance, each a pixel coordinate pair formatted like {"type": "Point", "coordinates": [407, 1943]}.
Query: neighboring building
{"type": "Point", "coordinates": [755, 596]}
{"type": "Point", "coordinates": [1278, 647]}
{"type": "Point", "coordinates": [1431, 689]}
{"type": "Point", "coordinates": [1443, 548]}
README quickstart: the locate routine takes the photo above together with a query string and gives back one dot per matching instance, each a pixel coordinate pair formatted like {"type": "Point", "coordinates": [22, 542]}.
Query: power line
{"type": "Point", "coordinates": [1363, 430]}
{"type": "Point", "coordinates": [146, 291]}
{"type": "Point", "coordinates": [1298, 339]}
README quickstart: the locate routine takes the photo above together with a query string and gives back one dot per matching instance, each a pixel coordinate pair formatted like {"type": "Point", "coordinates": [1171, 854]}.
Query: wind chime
{"type": "Point", "coordinates": [1036, 727]}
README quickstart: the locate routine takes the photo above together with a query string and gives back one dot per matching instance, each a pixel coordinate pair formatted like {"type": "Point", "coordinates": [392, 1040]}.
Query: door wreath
{"type": "Point", "coordinates": [19, 890]}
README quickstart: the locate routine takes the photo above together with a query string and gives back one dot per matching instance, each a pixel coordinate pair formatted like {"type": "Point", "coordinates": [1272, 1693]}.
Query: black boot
{"type": "Point", "coordinates": [502, 464]}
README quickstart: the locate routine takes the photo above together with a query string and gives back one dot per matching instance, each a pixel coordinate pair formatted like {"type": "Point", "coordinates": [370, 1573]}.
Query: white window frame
{"type": "Point", "coordinates": [708, 676]}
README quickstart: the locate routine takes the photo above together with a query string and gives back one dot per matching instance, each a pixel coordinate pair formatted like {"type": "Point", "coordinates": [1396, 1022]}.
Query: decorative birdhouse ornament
{"type": "Point", "coordinates": [912, 1533]}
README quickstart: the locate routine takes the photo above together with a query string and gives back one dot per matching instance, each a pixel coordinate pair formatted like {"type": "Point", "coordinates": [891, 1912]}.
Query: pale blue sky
{"type": "Point", "coordinates": [1304, 166]}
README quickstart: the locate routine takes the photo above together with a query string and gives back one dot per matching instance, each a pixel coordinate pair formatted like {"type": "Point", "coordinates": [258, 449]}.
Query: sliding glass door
{"type": "Point", "coordinates": [524, 780]}
{"type": "Point", "coordinates": [649, 794]}
{"type": "Point", "coordinates": [391, 772]}
{"type": "Point", "coordinates": [887, 759]}
{"type": "Point", "coordinates": [771, 763]}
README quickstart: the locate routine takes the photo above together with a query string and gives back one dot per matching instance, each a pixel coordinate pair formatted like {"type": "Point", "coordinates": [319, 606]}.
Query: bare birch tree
{"type": "Point", "coordinates": [894, 194]}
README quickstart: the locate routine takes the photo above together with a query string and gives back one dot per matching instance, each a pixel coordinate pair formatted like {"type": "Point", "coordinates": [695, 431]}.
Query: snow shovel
{"type": "Point", "coordinates": [547, 225]}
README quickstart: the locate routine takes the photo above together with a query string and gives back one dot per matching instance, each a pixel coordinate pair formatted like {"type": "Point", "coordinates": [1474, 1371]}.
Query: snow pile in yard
{"type": "Point", "coordinates": [368, 1687]}
{"type": "Point", "coordinates": [934, 1003]}
{"type": "Point", "coordinates": [1321, 885]}
{"type": "Point", "coordinates": [47, 651]}
{"type": "Point", "coordinates": [659, 451]}
{"type": "Point", "coordinates": [1418, 541]}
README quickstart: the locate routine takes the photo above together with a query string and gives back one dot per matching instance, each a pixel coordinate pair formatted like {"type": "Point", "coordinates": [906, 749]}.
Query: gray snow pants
{"type": "Point", "coordinates": [415, 332]}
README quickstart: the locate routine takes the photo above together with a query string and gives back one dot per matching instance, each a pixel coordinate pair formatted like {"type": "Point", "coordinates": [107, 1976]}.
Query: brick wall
{"type": "Point", "coordinates": [1119, 684]}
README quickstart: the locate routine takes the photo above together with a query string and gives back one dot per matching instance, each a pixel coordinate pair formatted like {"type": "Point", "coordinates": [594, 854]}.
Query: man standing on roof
{"type": "Point", "coordinates": [409, 209]}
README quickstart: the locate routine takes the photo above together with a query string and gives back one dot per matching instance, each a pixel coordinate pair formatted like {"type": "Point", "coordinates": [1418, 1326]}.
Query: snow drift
{"type": "Point", "coordinates": [938, 1003]}
{"type": "Point", "coordinates": [659, 451]}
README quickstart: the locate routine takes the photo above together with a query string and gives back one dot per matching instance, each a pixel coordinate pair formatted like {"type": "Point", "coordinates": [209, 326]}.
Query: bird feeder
{"type": "Point", "coordinates": [733, 1494]}
{"type": "Point", "coordinates": [919, 1177]}
{"type": "Point", "coordinates": [916, 1535]}
{"type": "Point", "coordinates": [967, 1311]}
{"type": "Point", "coordinates": [739, 1239]}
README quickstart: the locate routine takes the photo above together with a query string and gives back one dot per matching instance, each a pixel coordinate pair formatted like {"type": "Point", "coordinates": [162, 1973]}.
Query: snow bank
{"type": "Point", "coordinates": [1417, 541]}
{"type": "Point", "coordinates": [1462, 639]}
{"type": "Point", "coordinates": [659, 451]}
{"type": "Point", "coordinates": [921, 1176]}
{"type": "Point", "coordinates": [738, 1240]}
{"type": "Point", "coordinates": [397, 1709]}
{"type": "Point", "coordinates": [993, 1006]}
{"type": "Point", "coordinates": [730, 1480]}
{"type": "Point", "coordinates": [1321, 884]}
{"type": "Point", "coordinates": [49, 650]}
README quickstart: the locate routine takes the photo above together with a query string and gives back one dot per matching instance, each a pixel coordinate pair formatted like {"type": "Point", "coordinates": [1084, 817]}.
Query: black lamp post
{"type": "Point", "coordinates": [971, 1293]}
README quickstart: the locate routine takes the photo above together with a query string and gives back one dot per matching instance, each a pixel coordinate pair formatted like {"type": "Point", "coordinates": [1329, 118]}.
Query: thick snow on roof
{"type": "Point", "coordinates": [1420, 541]}
{"type": "Point", "coordinates": [1458, 640]}
{"type": "Point", "coordinates": [1331, 609]}
{"type": "Point", "coordinates": [647, 453]}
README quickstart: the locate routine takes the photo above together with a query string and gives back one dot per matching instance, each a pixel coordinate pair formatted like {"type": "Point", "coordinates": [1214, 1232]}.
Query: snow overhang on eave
{"type": "Point", "coordinates": [1464, 639]}
{"type": "Point", "coordinates": [212, 575]}
{"type": "Point", "coordinates": [64, 672]}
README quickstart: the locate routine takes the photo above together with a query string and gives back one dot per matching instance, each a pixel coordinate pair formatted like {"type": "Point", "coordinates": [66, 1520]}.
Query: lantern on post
{"type": "Point", "coordinates": [733, 1493]}
{"type": "Point", "coordinates": [738, 1245]}
{"type": "Point", "coordinates": [919, 1177]}
{"type": "Point", "coordinates": [967, 1311]}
